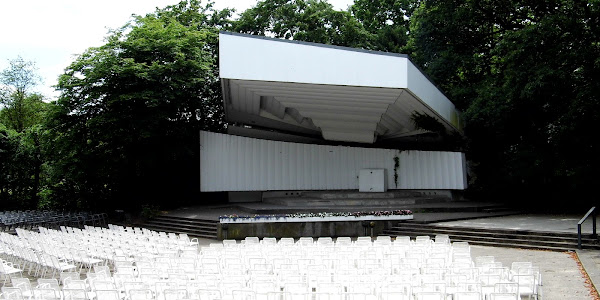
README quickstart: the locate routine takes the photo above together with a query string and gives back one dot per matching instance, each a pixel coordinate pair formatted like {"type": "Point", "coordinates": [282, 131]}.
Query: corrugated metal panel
{"type": "Point", "coordinates": [234, 163]}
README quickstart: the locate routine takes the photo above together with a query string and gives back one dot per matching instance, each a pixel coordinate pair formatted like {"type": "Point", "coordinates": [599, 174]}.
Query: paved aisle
{"type": "Point", "coordinates": [560, 274]}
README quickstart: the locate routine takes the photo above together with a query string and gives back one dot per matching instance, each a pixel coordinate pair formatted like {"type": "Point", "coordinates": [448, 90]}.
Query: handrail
{"type": "Point", "coordinates": [592, 211]}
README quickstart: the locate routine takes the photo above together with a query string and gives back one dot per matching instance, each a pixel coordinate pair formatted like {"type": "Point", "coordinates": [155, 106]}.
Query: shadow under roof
{"type": "Point", "coordinates": [339, 93]}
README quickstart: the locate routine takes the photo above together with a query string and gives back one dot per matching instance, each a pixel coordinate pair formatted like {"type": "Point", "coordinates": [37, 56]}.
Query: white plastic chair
{"type": "Point", "coordinates": [12, 293]}
{"type": "Point", "coordinates": [467, 296]}
{"type": "Point", "coordinates": [429, 296]}
{"type": "Point", "coordinates": [504, 296]}
{"type": "Point", "coordinates": [107, 295]}
{"type": "Point", "coordinates": [46, 294]}
{"type": "Point", "coordinates": [141, 294]}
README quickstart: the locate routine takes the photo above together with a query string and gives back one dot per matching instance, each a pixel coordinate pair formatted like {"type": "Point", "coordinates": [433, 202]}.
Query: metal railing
{"type": "Point", "coordinates": [592, 212]}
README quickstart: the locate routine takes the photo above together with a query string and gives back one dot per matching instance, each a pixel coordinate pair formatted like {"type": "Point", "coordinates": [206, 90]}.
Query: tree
{"type": "Point", "coordinates": [126, 124]}
{"type": "Point", "coordinates": [21, 114]}
{"type": "Point", "coordinates": [304, 20]}
{"type": "Point", "coordinates": [387, 21]}
{"type": "Point", "coordinates": [524, 73]}
{"type": "Point", "coordinates": [20, 107]}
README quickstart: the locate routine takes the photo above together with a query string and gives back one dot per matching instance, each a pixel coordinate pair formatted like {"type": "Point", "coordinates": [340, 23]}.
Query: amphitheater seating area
{"type": "Point", "coordinates": [33, 219]}
{"type": "Point", "coordinates": [124, 263]}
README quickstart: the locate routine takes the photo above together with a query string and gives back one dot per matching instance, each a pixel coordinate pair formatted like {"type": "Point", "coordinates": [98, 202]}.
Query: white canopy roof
{"type": "Point", "coordinates": [343, 94]}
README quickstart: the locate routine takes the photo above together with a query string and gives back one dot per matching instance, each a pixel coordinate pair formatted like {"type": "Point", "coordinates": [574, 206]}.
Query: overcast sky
{"type": "Point", "coordinates": [51, 32]}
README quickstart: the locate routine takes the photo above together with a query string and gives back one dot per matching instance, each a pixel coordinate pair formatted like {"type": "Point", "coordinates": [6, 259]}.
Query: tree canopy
{"type": "Point", "coordinates": [124, 130]}
{"type": "Point", "coordinates": [21, 108]}
{"type": "Point", "coordinates": [22, 113]}
{"type": "Point", "coordinates": [524, 73]}
{"type": "Point", "coordinates": [127, 121]}
{"type": "Point", "coordinates": [304, 20]}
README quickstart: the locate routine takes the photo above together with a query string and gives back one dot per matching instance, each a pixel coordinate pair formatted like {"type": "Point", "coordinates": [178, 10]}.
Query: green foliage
{"type": "Point", "coordinates": [126, 124]}
{"type": "Point", "coordinates": [387, 22]}
{"type": "Point", "coordinates": [304, 20]}
{"type": "Point", "coordinates": [21, 114]}
{"type": "Point", "coordinates": [427, 122]}
{"type": "Point", "coordinates": [20, 108]}
{"type": "Point", "coordinates": [20, 172]}
{"type": "Point", "coordinates": [525, 74]}
{"type": "Point", "coordinates": [23, 111]}
{"type": "Point", "coordinates": [150, 211]}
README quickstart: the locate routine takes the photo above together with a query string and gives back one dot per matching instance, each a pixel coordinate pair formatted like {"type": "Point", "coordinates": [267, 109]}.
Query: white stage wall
{"type": "Point", "coordinates": [234, 163]}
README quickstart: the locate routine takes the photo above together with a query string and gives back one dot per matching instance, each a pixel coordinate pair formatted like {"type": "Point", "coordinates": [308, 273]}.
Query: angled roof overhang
{"type": "Point", "coordinates": [339, 93]}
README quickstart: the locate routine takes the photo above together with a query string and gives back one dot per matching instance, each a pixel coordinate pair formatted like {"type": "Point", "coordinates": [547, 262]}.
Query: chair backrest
{"type": "Point", "coordinates": [515, 266]}
{"type": "Point", "coordinates": [107, 295]}
{"type": "Point", "coordinates": [12, 293]}
{"type": "Point", "coordinates": [269, 241]}
{"type": "Point", "coordinates": [76, 284]}
{"type": "Point", "coordinates": [467, 296]}
{"type": "Point", "coordinates": [46, 294]}
{"type": "Point", "coordinates": [103, 285]}
{"type": "Point", "coordinates": [72, 275]}
{"type": "Point", "coordinates": [141, 294]}
{"type": "Point", "coordinates": [23, 283]}
{"type": "Point", "coordinates": [429, 296]}
{"type": "Point", "coordinates": [208, 294]}
{"type": "Point", "coordinates": [400, 291]}
{"type": "Point", "coordinates": [45, 283]}
{"type": "Point", "coordinates": [504, 296]}
{"type": "Point", "coordinates": [527, 284]}
{"type": "Point", "coordinates": [74, 294]}
{"type": "Point", "coordinates": [251, 240]}
{"type": "Point", "coordinates": [175, 294]}
{"type": "Point", "coordinates": [506, 287]}
{"type": "Point", "coordinates": [229, 243]}
{"type": "Point", "coordinates": [100, 268]}
{"type": "Point", "coordinates": [286, 241]}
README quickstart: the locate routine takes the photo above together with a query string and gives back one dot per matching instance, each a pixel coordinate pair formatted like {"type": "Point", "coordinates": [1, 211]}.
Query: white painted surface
{"type": "Point", "coordinates": [341, 93]}
{"type": "Point", "coordinates": [234, 163]}
{"type": "Point", "coordinates": [428, 93]}
{"type": "Point", "coordinates": [371, 180]}
{"type": "Point", "coordinates": [266, 59]}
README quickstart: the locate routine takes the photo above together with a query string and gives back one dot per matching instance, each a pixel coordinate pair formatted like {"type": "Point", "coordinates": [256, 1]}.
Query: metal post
{"type": "Point", "coordinates": [592, 212]}
{"type": "Point", "coordinates": [579, 236]}
{"type": "Point", "coordinates": [594, 225]}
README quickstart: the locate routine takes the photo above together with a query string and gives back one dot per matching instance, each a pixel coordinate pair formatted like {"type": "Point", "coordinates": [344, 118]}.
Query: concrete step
{"type": "Point", "coordinates": [332, 195]}
{"type": "Point", "coordinates": [188, 226]}
{"type": "Point", "coordinates": [192, 227]}
{"type": "Point", "coordinates": [443, 229]}
{"type": "Point", "coordinates": [191, 233]}
{"type": "Point", "coordinates": [416, 208]}
{"type": "Point", "coordinates": [354, 194]}
{"type": "Point", "coordinates": [182, 220]}
{"type": "Point", "coordinates": [498, 237]}
{"type": "Point", "coordinates": [320, 202]}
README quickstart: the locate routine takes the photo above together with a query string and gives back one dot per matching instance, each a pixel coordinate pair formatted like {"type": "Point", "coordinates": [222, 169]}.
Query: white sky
{"type": "Point", "coordinates": [52, 32]}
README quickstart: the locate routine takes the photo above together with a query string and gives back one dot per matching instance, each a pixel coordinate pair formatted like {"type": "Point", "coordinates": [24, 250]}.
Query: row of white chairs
{"type": "Point", "coordinates": [424, 264]}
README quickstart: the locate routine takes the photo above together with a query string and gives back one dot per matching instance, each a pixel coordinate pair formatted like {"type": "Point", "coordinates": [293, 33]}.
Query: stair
{"type": "Point", "coordinates": [419, 201]}
{"type": "Point", "coordinates": [192, 227]}
{"type": "Point", "coordinates": [497, 237]}
{"type": "Point", "coordinates": [351, 198]}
